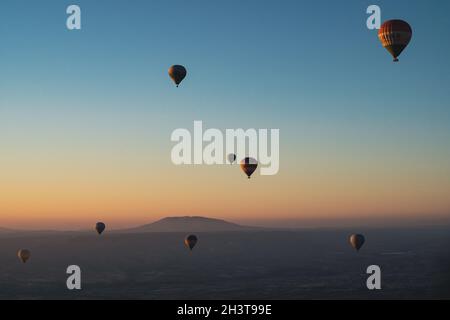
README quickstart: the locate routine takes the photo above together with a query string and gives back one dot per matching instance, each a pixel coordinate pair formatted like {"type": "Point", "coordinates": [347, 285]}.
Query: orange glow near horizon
{"type": "Point", "coordinates": [55, 198]}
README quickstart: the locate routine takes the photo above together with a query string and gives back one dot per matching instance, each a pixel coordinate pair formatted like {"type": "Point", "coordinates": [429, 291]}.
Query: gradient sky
{"type": "Point", "coordinates": [86, 116]}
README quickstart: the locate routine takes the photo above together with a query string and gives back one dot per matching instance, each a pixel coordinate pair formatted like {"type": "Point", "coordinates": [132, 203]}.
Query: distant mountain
{"type": "Point", "coordinates": [190, 224]}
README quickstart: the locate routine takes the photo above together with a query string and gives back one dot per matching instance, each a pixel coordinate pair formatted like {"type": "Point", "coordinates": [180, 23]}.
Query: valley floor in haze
{"type": "Point", "coordinates": [302, 264]}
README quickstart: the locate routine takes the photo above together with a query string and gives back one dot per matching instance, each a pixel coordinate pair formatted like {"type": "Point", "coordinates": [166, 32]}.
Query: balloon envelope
{"type": "Point", "coordinates": [100, 227]}
{"type": "Point", "coordinates": [395, 35]}
{"type": "Point", "coordinates": [177, 73]}
{"type": "Point", "coordinates": [191, 241]}
{"type": "Point", "coordinates": [249, 165]}
{"type": "Point", "coordinates": [24, 255]}
{"type": "Point", "coordinates": [357, 241]}
{"type": "Point", "coordinates": [231, 158]}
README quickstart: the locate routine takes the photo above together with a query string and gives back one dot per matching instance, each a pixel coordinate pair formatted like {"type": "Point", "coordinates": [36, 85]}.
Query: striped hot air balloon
{"type": "Point", "coordinates": [395, 35]}
{"type": "Point", "coordinates": [249, 165]}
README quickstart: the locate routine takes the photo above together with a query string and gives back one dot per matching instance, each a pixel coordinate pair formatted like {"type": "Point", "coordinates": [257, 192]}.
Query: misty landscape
{"type": "Point", "coordinates": [229, 262]}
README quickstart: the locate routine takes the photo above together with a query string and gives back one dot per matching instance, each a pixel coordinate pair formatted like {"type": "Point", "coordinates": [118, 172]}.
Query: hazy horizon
{"type": "Point", "coordinates": [343, 222]}
{"type": "Point", "coordinates": [86, 116]}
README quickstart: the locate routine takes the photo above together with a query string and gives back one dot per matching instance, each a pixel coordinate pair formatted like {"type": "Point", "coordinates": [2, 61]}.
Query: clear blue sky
{"type": "Point", "coordinates": [271, 62]}
{"type": "Point", "coordinates": [310, 58]}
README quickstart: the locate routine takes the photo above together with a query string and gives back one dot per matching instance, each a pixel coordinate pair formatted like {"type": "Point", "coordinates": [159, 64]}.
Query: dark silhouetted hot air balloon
{"type": "Point", "coordinates": [357, 241]}
{"type": "Point", "coordinates": [177, 73]}
{"type": "Point", "coordinates": [24, 255]}
{"type": "Point", "coordinates": [231, 158]}
{"type": "Point", "coordinates": [395, 35]}
{"type": "Point", "coordinates": [100, 227]}
{"type": "Point", "coordinates": [191, 241]}
{"type": "Point", "coordinates": [249, 165]}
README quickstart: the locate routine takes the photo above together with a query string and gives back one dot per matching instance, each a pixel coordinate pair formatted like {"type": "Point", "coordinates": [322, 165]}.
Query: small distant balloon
{"type": "Point", "coordinates": [231, 158]}
{"type": "Point", "coordinates": [191, 241]}
{"type": "Point", "coordinates": [177, 73]}
{"type": "Point", "coordinates": [395, 36]}
{"type": "Point", "coordinates": [357, 241]}
{"type": "Point", "coordinates": [100, 227]}
{"type": "Point", "coordinates": [24, 255]}
{"type": "Point", "coordinates": [249, 165]}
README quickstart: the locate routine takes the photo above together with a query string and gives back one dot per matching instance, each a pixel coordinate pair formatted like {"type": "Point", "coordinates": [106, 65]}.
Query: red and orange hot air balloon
{"type": "Point", "coordinates": [395, 36]}
{"type": "Point", "coordinates": [177, 73]}
{"type": "Point", "coordinates": [249, 165]}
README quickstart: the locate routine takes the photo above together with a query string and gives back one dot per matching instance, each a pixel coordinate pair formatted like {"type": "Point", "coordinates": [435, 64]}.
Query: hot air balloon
{"type": "Point", "coordinates": [24, 255]}
{"type": "Point", "coordinates": [249, 165]}
{"type": "Point", "coordinates": [231, 158]}
{"type": "Point", "coordinates": [395, 35]}
{"type": "Point", "coordinates": [177, 73]}
{"type": "Point", "coordinates": [191, 241]}
{"type": "Point", "coordinates": [357, 241]}
{"type": "Point", "coordinates": [100, 227]}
